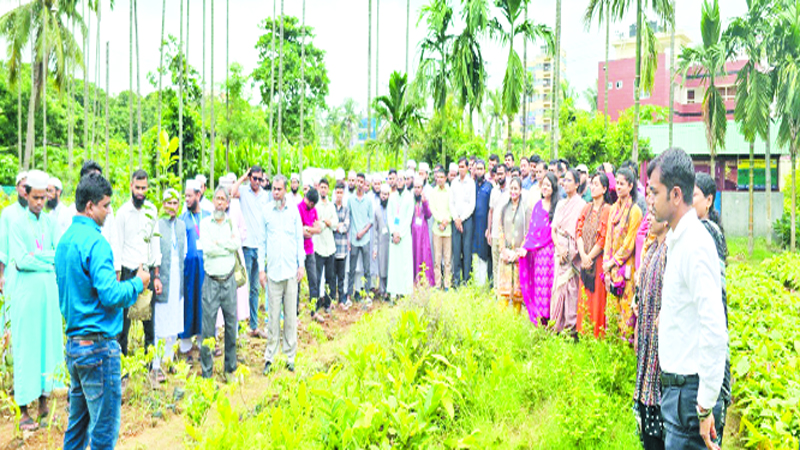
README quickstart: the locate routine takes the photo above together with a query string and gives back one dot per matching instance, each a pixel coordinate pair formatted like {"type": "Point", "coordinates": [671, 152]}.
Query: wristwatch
{"type": "Point", "coordinates": [702, 414]}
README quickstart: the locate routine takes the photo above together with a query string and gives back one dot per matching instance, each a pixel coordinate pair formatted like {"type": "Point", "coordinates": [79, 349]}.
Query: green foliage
{"type": "Point", "coordinates": [316, 75]}
{"type": "Point", "coordinates": [426, 375]}
{"type": "Point", "coordinates": [400, 113]}
{"type": "Point", "coordinates": [764, 344]}
{"type": "Point", "coordinates": [446, 137]}
{"type": "Point", "coordinates": [782, 226]}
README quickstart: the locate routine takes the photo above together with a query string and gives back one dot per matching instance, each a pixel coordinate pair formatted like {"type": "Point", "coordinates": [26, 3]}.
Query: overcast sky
{"type": "Point", "coordinates": [341, 31]}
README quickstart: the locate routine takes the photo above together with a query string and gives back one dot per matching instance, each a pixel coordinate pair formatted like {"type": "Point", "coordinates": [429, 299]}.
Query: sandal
{"type": "Point", "coordinates": [28, 425]}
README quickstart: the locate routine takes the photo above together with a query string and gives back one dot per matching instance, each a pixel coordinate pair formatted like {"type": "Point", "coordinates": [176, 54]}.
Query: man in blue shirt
{"type": "Point", "coordinates": [91, 301]}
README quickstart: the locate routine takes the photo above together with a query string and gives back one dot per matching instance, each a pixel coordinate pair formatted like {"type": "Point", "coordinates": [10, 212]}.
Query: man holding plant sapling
{"type": "Point", "coordinates": [91, 301]}
{"type": "Point", "coordinates": [692, 333]}
{"type": "Point", "coordinates": [136, 220]}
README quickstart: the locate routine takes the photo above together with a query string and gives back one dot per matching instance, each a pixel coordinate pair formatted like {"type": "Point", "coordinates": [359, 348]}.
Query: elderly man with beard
{"type": "Point", "coordinates": [380, 246]}
{"type": "Point", "coordinates": [220, 240]}
{"type": "Point", "coordinates": [497, 200]}
{"type": "Point", "coordinates": [61, 215]}
{"type": "Point", "coordinates": [38, 345]}
{"type": "Point", "coordinates": [284, 243]}
{"type": "Point", "coordinates": [134, 221]}
{"type": "Point", "coordinates": [452, 173]}
{"type": "Point", "coordinates": [193, 273]}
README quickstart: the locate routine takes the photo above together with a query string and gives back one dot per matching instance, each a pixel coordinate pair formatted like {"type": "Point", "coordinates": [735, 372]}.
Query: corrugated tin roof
{"type": "Point", "coordinates": [691, 136]}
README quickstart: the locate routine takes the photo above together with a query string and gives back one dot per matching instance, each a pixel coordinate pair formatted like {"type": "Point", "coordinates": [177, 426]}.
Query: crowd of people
{"type": "Point", "coordinates": [577, 250]}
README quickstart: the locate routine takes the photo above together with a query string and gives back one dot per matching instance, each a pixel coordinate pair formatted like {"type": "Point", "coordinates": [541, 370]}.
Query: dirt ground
{"type": "Point", "coordinates": [153, 419]}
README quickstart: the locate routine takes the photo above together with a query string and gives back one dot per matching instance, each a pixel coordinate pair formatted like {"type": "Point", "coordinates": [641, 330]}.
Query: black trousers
{"type": "Point", "coordinates": [149, 331]}
{"type": "Point", "coordinates": [339, 271]}
{"type": "Point", "coordinates": [327, 263]}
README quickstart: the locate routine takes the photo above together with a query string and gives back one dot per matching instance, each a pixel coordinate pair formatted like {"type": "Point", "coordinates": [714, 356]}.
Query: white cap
{"type": "Point", "coordinates": [385, 188]}
{"type": "Point", "coordinates": [339, 174]}
{"type": "Point", "coordinates": [411, 164]}
{"type": "Point", "coordinates": [410, 173]}
{"type": "Point", "coordinates": [21, 176]}
{"type": "Point", "coordinates": [582, 168]}
{"type": "Point", "coordinates": [453, 167]}
{"type": "Point", "coordinates": [295, 177]}
{"type": "Point", "coordinates": [231, 176]}
{"type": "Point", "coordinates": [170, 193]}
{"type": "Point", "coordinates": [424, 167]}
{"type": "Point", "coordinates": [193, 185]}
{"type": "Point", "coordinates": [38, 179]}
{"type": "Point", "coordinates": [56, 183]}
{"type": "Point", "coordinates": [225, 181]}
{"type": "Point", "coordinates": [352, 173]}
{"type": "Point", "coordinates": [201, 178]}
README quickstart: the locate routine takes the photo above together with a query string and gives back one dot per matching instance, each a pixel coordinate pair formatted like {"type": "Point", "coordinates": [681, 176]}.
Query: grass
{"type": "Point", "coordinates": [738, 253]}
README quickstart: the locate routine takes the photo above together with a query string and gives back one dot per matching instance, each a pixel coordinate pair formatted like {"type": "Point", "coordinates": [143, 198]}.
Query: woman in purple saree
{"type": "Point", "coordinates": [536, 269]}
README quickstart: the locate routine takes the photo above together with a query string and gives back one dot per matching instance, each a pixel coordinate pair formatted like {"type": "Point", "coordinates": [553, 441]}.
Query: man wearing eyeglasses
{"type": "Point", "coordinates": [253, 200]}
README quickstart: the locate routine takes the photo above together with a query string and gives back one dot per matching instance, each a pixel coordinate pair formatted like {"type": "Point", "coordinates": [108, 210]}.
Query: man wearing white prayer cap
{"type": "Point", "coordinates": [293, 195]}
{"type": "Point", "coordinates": [452, 172]}
{"type": "Point", "coordinates": [410, 175]}
{"type": "Point", "coordinates": [338, 174]}
{"type": "Point", "coordinates": [60, 214]}
{"type": "Point", "coordinates": [9, 219]}
{"type": "Point", "coordinates": [38, 346]}
{"type": "Point", "coordinates": [205, 204]}
{"type": "Point", "coordinates": [411, 165]}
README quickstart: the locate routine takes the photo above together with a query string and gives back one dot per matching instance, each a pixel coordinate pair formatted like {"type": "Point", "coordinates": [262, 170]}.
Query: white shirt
{"type": "Point", "coordinates": [132, 227]}
{"type": "Point", "coordinates": [462, 197]}
{"type": "Point", "coordinates": [206, 205]}
{"type": "Point", "coordinates": [692, 335]}
{"type": "Point", "coordinates": [497, 200]}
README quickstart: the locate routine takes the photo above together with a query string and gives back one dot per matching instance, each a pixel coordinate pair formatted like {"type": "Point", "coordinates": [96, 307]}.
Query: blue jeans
{"type": "Point", "coordinates": [681, 425]}
{"type": "Point", "coordinates": [251, 266]}
{"type": "Point", "coordinates": [95, 394]}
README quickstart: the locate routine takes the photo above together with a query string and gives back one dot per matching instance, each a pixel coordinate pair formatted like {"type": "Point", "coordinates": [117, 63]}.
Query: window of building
{"type": "Point", "coordinates": [690, 96]}
{"type": "Point", "coordinates": [619, 84]}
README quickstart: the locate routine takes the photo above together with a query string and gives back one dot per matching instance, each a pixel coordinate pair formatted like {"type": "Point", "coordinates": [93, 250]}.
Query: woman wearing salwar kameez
{"type": "Point", "coordinates": [647, 393]}
{"type": "Point", "coordinates": [513, 231]}
{"type": "Point", "coordinates": [36, 329]}
{"type": "Point", "coordinates": [564, 304]}
{"type": "Point", "coordinates": [591, 236]}
{"type": "Point", "coordinates": [536, 269]}
{"type": "Point", "coordinates": [619, 266]}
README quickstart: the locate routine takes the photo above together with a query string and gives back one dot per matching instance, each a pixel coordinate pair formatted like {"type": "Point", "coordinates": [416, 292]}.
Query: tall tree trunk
{"type": "Point", "coordinates": [228, 87]}
{"type": "Point", "coordinates": [108, 53]}
{"type": "Point", "coordinates": [271, 90]}
{"type": "Point", "coordinates": [369, 76]}
{"type": "Point", "coordinates": [524, 88]}
{"type": "Point", "coordinates": [637, 81]}
{"type": "Point", "coordinates": [605, 67]}
{"type": "Point", "coordinates": [377, 48]}
{"type": "Point", "coordinates": [556, 86]}
{"type": "Point", "coordinates": [138, 85]}
{"type": "Point", "coordinates": [751, 197]}
{"type": "Point", "coordinates": [70, 111]}
{"type": "Point", "coordinates": [203, 97]}
{"type": "Point", "coordinates": [280, 93]}
{"type": "Point", "coordinates": [213, 120]}
{"type": "Point", "coordinates": [408, 27]}
{"type": "Point", "coordinates": [45, 60]}
{"type": "Point", "coordinates": [768, 183]}
{"type": "Point", "coordinates": [19, 112]}
{"type": "Point", "coordinates": [96, 77]}
{"type": "Point", "coordinates": [184, 69]}
{"type": "Point", "coordinates": [672, 90]}
{"type": "Point", "coordinates": [130, 90]}
{"type": "Point", "coordinates": [498, 123]}
{"type": "Point", "coordinates": [161, 67]}
{"type": "Point", "coordinates": [86, 77]}
{"type": "Point", "coordinates": [180, 94]}
{"type": "Point", "coordinates": [30, 135]}
{"type": "Point", "coordinates": [793, 151]}
{"type": "Point", "coordinates": [302, 89]}
{"type": "Point", "coordinates": [508, 138]}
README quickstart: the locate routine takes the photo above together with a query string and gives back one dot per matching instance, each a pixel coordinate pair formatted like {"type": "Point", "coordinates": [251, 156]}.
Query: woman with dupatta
{"type": "Point", "coordinates": [564, 304]}
{"type": "Point", "coordinates": [536, 269]}
{"type": "Point", "coordinates": [591, 237]}
{"type": "Point", "coordinates": [513, 231]}
{"type": "Point", "coordinates": [620, 250]}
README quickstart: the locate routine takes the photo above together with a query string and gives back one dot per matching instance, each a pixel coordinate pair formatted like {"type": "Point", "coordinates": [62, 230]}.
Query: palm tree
{"type": "Point", "coordinates": [138, 85]}
{"type": "Point", "coordinates": [496, 113]}
{"type": "Point", "coordinates": [203, 97]}
{"type": "Point", "coordinates": [227, 78]}
{"type": "Point", "coordinates": [753, 86]}
{"type": "Point", "coordinates": [44, 85]}
{"type": "Point", "coordinates": [213, 100]}
{"type": "Point", "coordinates": [468, 71]}
{"type": "Point", "coordinates": [434, 69]}
{"type": "Point", "coordinates": [70, 116]}
{"type": "Point", "coordinates": [184, 68]}
{"type": "Point", "coordinates": [369, 72]}
{"type": "Point", "coordinates": [408, 27]}
{"type": "Point", "coordinates": [514, 77]}
{"type": "Point", "coordinates": [86, 76]}
{"type": "Point", "coordinates": [271, 85]}
{"type": "Point", "coordinates": [601, 9]}
{"type": "Point", "coordinates": [180, 92]}
{"type": "Point", "coordinates": [161, 63]}
{"type": "Point", "coordinates": [663, 10]}
{"type": "Point", "coordinates": [377, 45]}
{"type": "Point", "coordinates": [399, 113]}
{"type": "Point", "coordinates": [707, 61]}
{"type": "Point", "coordinates": [107, 95]}
{"type": "Point", "coordinates": [25, 25]}
{"type": "Point", "coordinates": [785, 53]}
{"type": "Point", "coordinates": [96, 76]}
{"type": "Point", "coordinates": [130, 90]}
{"type": "Point", "coordinates": [280, 91]}
{"type": "Point", "coordinates": [556, 89]}
{"type": "Point", "coordinates": [303, 89]}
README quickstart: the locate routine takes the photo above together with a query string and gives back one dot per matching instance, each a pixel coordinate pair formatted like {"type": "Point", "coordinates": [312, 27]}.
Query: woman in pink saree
{"type": "Point", "coordinates": [536, 268]}
{"type": "Point", "coordinates": [564, 304]}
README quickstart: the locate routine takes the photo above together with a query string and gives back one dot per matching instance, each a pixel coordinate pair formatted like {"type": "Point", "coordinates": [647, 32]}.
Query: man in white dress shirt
{"type": "Point", "coordinates": [692, 333]}
{"type": "Point", "coordinates": [462, 205]}
{"type": "Point", "coordinates": [205, 204]}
